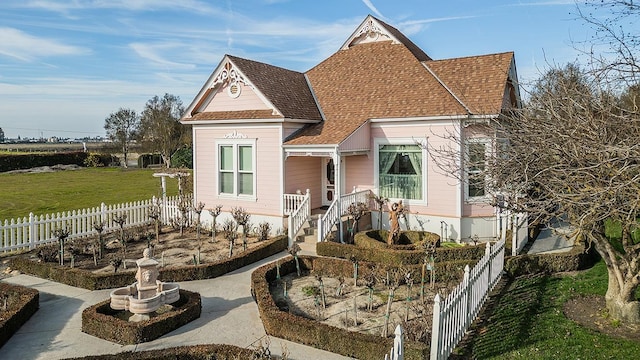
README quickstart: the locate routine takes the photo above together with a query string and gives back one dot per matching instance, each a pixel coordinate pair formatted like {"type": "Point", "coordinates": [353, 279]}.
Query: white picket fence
{"type": "Point", "coordinates": [453, 315]}
{"type": "Point", "coordinates": [29, 232]}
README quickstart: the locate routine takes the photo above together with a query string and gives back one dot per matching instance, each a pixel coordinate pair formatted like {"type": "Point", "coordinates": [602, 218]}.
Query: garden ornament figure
{"type": "Point", "coordinates": [395, 211]}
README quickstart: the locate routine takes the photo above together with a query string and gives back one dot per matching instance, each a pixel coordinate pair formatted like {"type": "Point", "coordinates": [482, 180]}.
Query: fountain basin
{"type": "Point", "coordinates": [126, 298]}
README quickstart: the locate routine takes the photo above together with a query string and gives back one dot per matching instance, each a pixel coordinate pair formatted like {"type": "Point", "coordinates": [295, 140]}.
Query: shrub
{"type": "Point", "coordinates": [10, 162]}
{"type": "Point", "coordinates": [23, 303]}
{"type": "Point", "coordinates": [100, 321]}
{"type": "Point", "coordinates": [182, 158]}
{"type": "Point", "coordinates": [101, 160]}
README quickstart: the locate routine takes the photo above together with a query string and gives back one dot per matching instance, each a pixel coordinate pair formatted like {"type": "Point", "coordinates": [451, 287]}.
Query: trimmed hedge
{"type": "Point", "coordinates": [310, 332]}
{"type": "Point", "coordinates": [99, 321]}
{"type": "Point", "coordinates": [194, 352]}
{"type": "Point", "coordinates": [92, 281]}
{"type": "Point", "coordinates": [578, 258]}
{"type": "Point", "coordinates": [16, 316]}
{"type": "Point", "coordinates": [408, 240]}
{"type": "Point", "coordinates": [392, 257]}
{"type": "Point", "coordinates": [9, 162]}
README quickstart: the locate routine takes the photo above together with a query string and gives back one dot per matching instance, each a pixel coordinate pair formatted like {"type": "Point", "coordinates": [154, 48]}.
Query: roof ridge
{"type": "Point", "coordinates": [471, 56]}
{"type": "Point", "coordinates": [446, 87]}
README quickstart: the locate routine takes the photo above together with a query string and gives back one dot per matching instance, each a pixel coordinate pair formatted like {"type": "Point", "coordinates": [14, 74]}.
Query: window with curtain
{"type": "Point", "coordinates": [236, 169]}
{"type": "Point", "coordinates": [476, 162]}
{"type": "Point", "coordinates": [400, 171]}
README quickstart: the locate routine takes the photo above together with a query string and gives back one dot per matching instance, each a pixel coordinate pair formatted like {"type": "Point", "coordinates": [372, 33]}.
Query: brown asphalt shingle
{"type": "Point", "coordinates": [287, 90]}
{"type": "Point", "coordinates": [235, 115]}
{"type": "Point", "coordinates": [372, 80]}
{"type": "Point", "coordinates": [478, 81]}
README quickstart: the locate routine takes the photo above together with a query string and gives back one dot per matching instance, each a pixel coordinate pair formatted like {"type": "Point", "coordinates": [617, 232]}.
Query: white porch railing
{"type": "Point", "coordinates": [453, 315]}
{"type": "Point", "coordinates": [299, 215]}
{"type": "Point", "coordinates": [354, 198]}
{"type": "Point", "coordinates": [326, 221]}
{"type": "Point", "coordinates": [28, 232]}
{"type": "Point", "coordinates": [338, 208]}
{"type": "Point", "coordinates": [292, 202]}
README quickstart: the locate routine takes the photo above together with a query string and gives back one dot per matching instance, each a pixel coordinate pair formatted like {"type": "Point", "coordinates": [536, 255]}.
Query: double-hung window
{"type": "Point", "coordinates": [476, 161]}
{"type": "Point", "coordinates": [400, 171]}
{"type": "Point", "coordinates": [236, 168]}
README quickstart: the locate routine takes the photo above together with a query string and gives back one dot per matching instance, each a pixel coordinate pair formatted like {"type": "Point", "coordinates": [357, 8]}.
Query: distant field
{"type": "Point", "coordinates": [45, 193]}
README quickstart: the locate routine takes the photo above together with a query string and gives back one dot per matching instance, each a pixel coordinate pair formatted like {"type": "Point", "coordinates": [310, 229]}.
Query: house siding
{"type": "Point", "coordinates": [441, 197]}
{"type": "Point", "coordinates": [268, 169]}
{"type": "Point", "coordinates": [248, 100]}
{"type": "Point", "coordinates": [302, 173]}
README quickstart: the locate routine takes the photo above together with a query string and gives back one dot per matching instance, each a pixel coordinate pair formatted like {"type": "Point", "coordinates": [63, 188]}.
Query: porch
{"type": "Point", "coordinates": [320, 221]}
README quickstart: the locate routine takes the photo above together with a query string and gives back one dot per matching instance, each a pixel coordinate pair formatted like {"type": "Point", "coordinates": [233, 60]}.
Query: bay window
{"type": "Point", "coordinates": [400, 171]}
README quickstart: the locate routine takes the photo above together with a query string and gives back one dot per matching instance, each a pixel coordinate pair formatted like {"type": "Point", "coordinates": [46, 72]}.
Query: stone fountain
{"type": "Point", "coordinates": [147, 294]}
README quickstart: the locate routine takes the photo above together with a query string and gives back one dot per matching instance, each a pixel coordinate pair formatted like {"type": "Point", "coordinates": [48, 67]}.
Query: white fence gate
{"type": "Point", "coordinates": [453, 315]}
{"type": "Point", "coordinates": [29, 232]}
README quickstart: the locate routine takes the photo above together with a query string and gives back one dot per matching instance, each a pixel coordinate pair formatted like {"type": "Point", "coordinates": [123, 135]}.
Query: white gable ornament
{"type": "Point", "coordinates": [233, 78]}
{"type": "Point", "coordinates": [370, 31]}
{"type": "Point", "coordinates": [235, 135]}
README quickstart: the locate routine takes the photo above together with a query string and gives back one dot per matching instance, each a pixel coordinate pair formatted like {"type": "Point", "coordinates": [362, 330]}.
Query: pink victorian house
{"type": "Point", "coordinates": [356, 123]}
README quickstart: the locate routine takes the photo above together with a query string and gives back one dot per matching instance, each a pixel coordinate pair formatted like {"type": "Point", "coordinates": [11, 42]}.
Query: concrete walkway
{"type": "Point", "coordinates": [557, 237]}
{"type": "Point", "coordinates": [229, 316]}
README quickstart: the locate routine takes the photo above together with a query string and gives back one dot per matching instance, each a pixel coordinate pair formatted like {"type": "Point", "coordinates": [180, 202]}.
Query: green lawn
{"type": "Point", "coordinates": [46, 193]}
{"type": "Point", "coordinates": [528, 322]}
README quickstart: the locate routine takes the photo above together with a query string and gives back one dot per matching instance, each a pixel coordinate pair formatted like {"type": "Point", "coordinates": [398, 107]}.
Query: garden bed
{"type": "Point", "coordinates": [177, 264]}
{"type": "Point", "coordinates": [371, 246]}
{"type": "Point", "coordinates": [102, 321]}
{"type": "Point", "coordinates": [299, 317]}
{"type": "Point", "coordinates": [21, 304]}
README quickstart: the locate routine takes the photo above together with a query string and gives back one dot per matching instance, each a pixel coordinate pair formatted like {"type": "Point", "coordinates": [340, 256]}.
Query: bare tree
{"type": "Point", "coordinates": [122, 128]}
{"type": "Point", "coordinates": [160, 129]}
{"type": "Point", "coordinates": [573, 152]}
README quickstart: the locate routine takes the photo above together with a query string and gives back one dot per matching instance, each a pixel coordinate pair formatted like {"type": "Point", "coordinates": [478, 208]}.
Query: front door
{"type": "Point", "coordinates": [328, 181]}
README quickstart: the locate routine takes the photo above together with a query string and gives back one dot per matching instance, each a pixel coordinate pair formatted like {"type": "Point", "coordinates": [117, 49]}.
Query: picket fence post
{"type": "Point", "coordinates": [32, 232]}
{"type": "Point", "coordinates": [397, 352]}
{"type": "Point", "coordinates": [435, 328]}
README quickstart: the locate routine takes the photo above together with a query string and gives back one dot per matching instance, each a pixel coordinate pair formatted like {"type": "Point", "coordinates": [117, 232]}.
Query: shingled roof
{"type": "Point", "coordinates": [478, 81]}
{"type": "Point", "coordinates": [372, 80]}
{"type": "Point", "coordinates": [287, 90]}
{"type": "Point", "coordinates": [387, 78]}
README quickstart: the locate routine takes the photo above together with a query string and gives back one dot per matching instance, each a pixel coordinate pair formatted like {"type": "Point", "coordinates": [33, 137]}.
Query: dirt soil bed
{"type": "Point", "coordinates": [591, 312]}
{"type": "Point", "coordinates": [171, 250]}
{"type": "Point", "coordinates": [303, 299]}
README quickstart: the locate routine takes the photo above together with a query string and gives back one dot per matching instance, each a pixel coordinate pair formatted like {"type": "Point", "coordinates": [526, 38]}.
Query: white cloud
{"type": "Point", "coordinates": [372, 7]}
{"type": "Point", "coordinates": [153, 53]}
{"type": "Point", "coordinates": [65, 6]}
{"type": "Point", "coordinates": [22, 46]}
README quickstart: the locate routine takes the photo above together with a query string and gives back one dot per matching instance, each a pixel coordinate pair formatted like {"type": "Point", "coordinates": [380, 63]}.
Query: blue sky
{"type": "Point", "coordinates": [65, 65]}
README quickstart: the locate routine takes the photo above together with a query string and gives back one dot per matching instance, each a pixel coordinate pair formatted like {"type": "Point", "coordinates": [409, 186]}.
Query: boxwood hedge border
{"type": "Point", "coordinates": [301, 330]}
{"type": "Point", "coordinates": [13, 320]}
{"type": "Point", "coordinates": [194, 352]}
{"type": "Point", "coordinates": [88, 280]}
{"type": "Point", "coordinates": [98, 320]}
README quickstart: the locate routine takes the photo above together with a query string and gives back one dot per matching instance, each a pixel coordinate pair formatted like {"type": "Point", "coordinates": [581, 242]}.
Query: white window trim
{"type": "Point", "coordinates": [376, 166]}
{"type": "Point", "coordinates": [236, 143]}
{"type": "Point", "coordinates": [487, 153]}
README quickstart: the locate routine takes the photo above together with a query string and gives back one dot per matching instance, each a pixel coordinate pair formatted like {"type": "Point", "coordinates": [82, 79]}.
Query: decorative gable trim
{"type": "Point", "coordinates": [226, 74]}
{"type": "Point", "coordinates": [230, 75]}
{"type": "Point", "coordinates": [369, 31]}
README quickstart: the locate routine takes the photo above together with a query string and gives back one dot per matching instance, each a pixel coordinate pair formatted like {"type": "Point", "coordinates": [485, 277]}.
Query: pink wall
{"type": "Point", "coordinates": [359, 172]}
{"type": "Point", "coordinates": [302, 173]}
{"type": "Point", "coordinates": [248, 100]}
{"type": "Point", "coordinates": [268, 170]}
{"type": "Point", "coordinates": [442, 194]}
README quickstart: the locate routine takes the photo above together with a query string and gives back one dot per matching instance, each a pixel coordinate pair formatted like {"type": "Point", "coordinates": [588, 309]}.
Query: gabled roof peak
{"type": "Point", "coordinates": [373, 29]}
